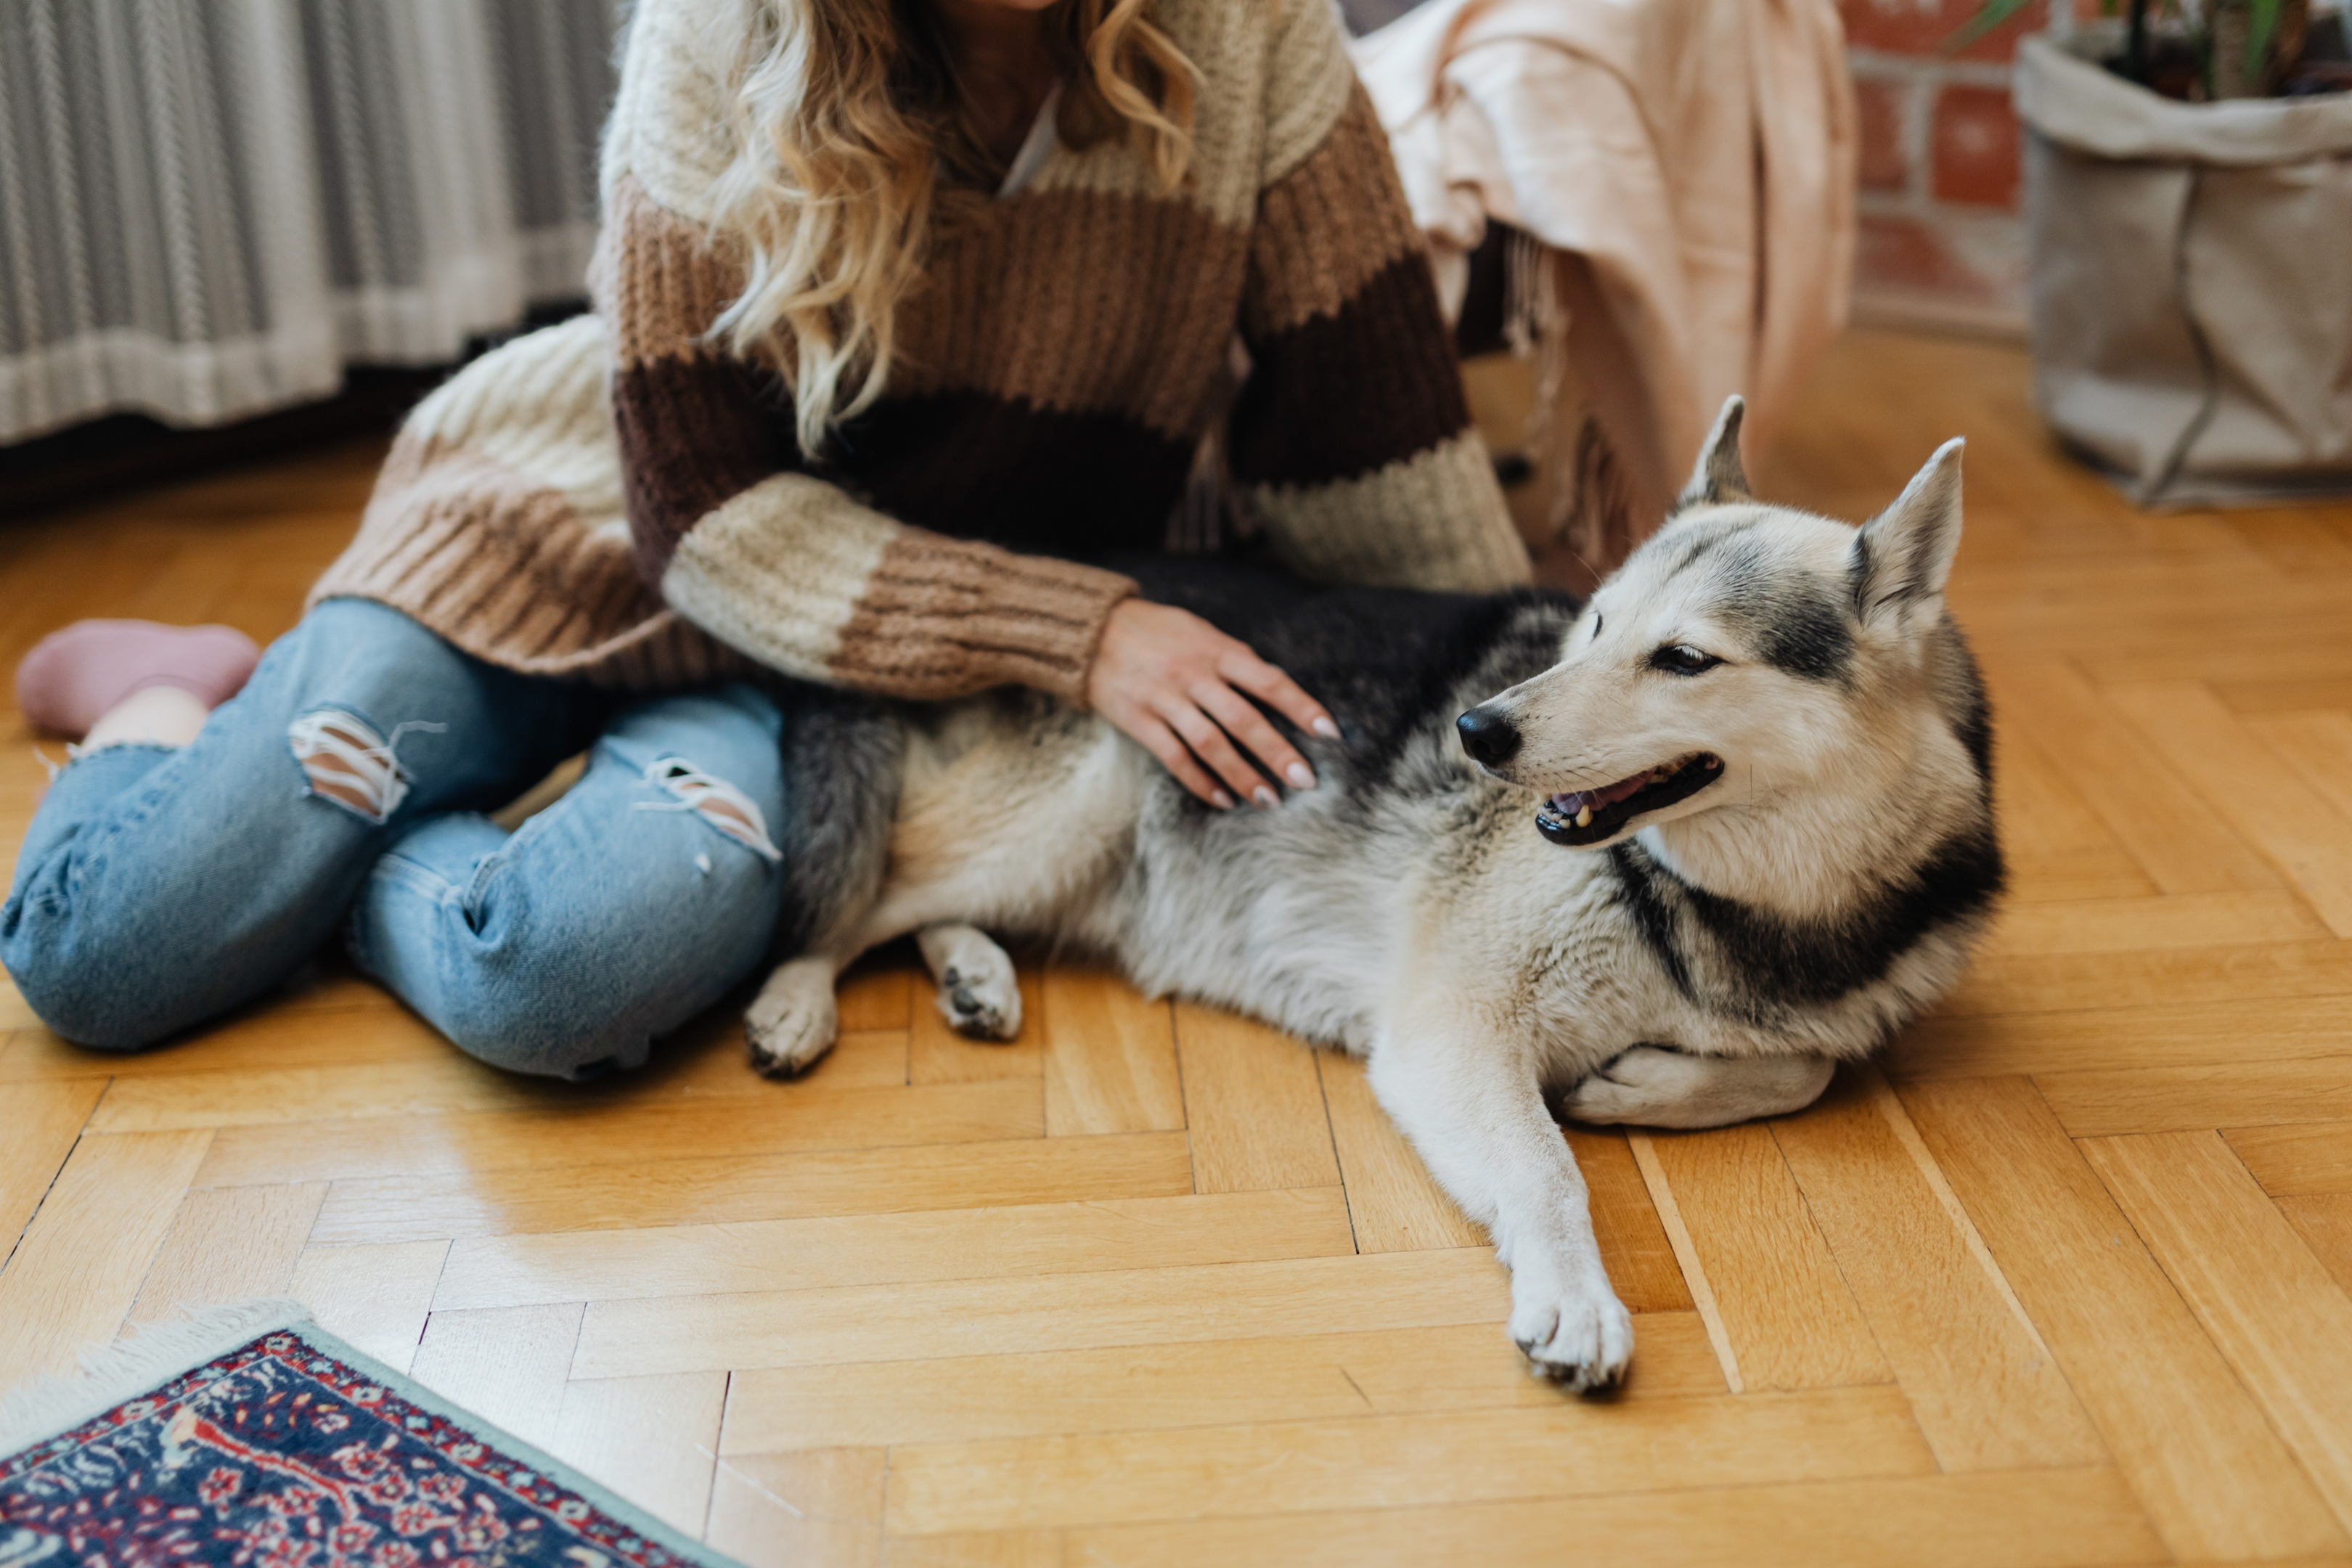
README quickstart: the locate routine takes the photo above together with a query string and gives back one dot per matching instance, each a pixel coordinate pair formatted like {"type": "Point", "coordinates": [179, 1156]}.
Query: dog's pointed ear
{"type": "Point", "coordinates": [1902, 557]}
{"type": "Point", "coordinates": [1719, 477]}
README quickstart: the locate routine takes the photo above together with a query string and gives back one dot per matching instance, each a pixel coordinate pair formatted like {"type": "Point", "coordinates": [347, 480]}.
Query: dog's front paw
{"type": "Point", "coordinates": [979, 994]}
{"type": "Point", "coordinates": [1578, 1336]}
{"type": "Point", "coordinates": [1645, 1087]}
{"type": "Point", "coordinates": [793, 1021]}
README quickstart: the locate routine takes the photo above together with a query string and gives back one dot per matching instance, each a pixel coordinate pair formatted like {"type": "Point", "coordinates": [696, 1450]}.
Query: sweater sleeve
{"type": "Point", "coordinates": [1353, 441]}
{"type": "Point", "coordinates": [725, 518]}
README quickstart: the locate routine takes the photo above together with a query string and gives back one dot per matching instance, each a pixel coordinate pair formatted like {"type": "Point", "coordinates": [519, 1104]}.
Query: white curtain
{"type": "Point", "coordinates": [209, 207]}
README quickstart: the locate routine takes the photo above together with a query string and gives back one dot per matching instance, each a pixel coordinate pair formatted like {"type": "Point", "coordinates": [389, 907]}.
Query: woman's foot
{"type": "Point", "coordinates": [109, 681]}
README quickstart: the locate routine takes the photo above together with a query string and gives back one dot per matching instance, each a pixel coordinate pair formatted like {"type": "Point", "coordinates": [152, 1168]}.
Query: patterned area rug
{"type": "Point", "coordinates": [250, 1438]}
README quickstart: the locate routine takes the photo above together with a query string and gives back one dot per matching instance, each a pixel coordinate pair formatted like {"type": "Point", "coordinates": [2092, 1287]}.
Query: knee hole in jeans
{"type": "Point", "coordinates": [345, 760]}
{"type": "Point", "coordinates": [719, 802]}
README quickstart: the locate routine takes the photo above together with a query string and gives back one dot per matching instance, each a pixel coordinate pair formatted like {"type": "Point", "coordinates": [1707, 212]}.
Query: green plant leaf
{"type": "Point", "coordinates": [2261, 25]}
{"type": "Point", "coordinates": [1991, 14]}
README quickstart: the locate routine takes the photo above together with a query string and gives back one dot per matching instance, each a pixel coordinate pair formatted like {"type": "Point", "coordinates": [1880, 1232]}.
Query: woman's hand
{"type": "Point", "coordinates": [1174, 682]}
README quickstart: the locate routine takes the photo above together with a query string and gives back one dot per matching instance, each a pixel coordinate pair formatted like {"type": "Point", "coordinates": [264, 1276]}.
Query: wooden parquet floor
{"type": "Point", "coordinates": [2062, 1280]}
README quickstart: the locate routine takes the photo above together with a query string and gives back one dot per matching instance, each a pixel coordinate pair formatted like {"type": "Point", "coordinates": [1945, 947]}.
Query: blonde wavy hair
{"type": "Point", "coordinates": [855, 141]}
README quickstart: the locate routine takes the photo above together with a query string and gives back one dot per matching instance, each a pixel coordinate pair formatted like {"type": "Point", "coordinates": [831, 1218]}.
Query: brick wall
{"type": "Point", "coordinates": [1941, 244]}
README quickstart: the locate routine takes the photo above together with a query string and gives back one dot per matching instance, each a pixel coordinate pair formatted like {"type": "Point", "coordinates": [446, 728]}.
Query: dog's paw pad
{"type": "Point", "coordinates": [984, 1007]}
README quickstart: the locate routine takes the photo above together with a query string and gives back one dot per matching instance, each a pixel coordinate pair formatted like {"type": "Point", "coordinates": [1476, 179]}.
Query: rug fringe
{"type": "Point", "coordinates": [111, 1374]}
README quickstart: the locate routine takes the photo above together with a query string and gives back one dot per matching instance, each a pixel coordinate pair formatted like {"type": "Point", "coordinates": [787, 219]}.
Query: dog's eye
{"type": "Point", "coordinates": [1681, 659]}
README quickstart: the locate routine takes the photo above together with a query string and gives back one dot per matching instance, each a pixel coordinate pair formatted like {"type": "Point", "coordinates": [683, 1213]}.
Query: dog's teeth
{"type": "Point", "coordinates": [1584, 816]}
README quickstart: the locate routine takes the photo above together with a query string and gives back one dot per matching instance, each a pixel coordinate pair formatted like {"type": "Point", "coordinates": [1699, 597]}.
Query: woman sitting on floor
{"type": "Point", "coordinates": [904, 310]}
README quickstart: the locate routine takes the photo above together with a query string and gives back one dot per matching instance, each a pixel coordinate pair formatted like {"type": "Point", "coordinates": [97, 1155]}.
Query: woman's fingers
{"type": "Point", "coordinates": [1160, 741]}
{"type": "Point", "coordinates": [1182, 689]}
{"type": "Point", "coordinates": [1269, 685]}
{"type": "Point", "coordinates": [1215, 747]}
{"type": "Point", "coordinates": [1244, 724]}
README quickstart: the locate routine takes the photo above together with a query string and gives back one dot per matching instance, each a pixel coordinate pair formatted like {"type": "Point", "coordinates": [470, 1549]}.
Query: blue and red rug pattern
{"type": "Point", "coordinates": [280, 1455]}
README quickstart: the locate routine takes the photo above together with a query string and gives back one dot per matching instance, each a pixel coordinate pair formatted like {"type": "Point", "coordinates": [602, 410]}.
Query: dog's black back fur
{"type": "Point", "coordinates": [1383, 660]}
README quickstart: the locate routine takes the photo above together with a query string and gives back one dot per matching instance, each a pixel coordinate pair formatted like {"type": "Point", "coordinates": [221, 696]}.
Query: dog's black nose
{"type": "Point", "coordinates": [1488, 736]}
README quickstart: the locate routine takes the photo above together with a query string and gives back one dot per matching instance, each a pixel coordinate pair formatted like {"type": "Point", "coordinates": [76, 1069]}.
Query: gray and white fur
{"type": "Point", "coordinates": [1661, 858]}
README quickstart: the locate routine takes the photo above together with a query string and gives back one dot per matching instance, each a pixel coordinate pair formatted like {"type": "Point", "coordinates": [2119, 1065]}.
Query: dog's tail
{"type": "Point", "coordinates": [844, 758]}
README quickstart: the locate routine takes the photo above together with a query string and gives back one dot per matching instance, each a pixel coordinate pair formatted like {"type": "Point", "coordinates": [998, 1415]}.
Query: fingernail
{"type": "Point", "coordinates": [1265, 796]}
{"type": "Point", "coordinates": [1327, 730]}
{"type": "Point", "coordinates": [1223, 801]}
{"type": "Point", "coordinates": [1301, 776]}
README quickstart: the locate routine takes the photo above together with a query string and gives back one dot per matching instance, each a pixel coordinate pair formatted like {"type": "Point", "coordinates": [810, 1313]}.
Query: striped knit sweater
{"type": "Point", "coordinates": [617, 500]}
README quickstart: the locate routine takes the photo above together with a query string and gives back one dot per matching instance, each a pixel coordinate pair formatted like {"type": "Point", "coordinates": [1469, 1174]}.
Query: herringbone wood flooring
{"type": "Point", "coordinates": [2062, 1281]}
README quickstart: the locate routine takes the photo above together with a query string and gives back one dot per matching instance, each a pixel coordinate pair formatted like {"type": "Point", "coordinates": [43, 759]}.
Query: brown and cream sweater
{"type": "Point", "coordinates": [617, 500]}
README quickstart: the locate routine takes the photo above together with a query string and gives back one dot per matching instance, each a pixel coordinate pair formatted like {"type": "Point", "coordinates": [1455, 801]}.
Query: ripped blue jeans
{"type": "Point", "coordinates": [343, 787]}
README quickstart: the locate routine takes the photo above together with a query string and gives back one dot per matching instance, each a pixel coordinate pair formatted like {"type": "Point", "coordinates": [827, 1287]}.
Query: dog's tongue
{"type": "Point", "coordinates": [1568, 804]}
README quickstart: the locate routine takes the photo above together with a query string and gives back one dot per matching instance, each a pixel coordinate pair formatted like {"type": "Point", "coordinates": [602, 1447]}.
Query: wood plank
{"type": "Point", "coordinates": [822, 1509]}
{"type": "Point", "coordinates": [1393, 1201]}
{"type": "Point", "coordinates": [352, 1033]}
{"type": "Point", "coordinates": [870, 1059]}
{"type": "Point", "coordinates": [2165, 825]}
{"type": "Point", "coordinates": [443, 1083]}
{"type": "Point", "coordinates": [43, 1121]}
{"type": "Point", "coordinates": [375, 1297]}
{"type": "Point", "coordinates": [2245, 784]}
{"type": "Point", "coordinates": [2112, 1039]}
{"type": "Point", "coordinates": [1110, 1056]}
{"type": "Point", "coordinates": [2298, 542]}
{"type": "Point", "coordinates": [992, 1549]}
{"type": "Point", "coordinates": [2268, 1304]}
{"type": "Point", "coordinates": [1081, 1311]}
{"type": "Point", "coordinates": [79, 1265]}
{"type": "Point", "coordinates": [1254, 1104]}
{"type": "Point", "coordinates": [506, 1365]}
{"type": "Point", "coordinates": [2037, 1519]}
{"type": "Point", "coordinates": [2288, 694]}
{"type": "Point", "coordinates": [1218, 1383]}
{"type": "Point", "coordinates": [2217, 1482]}
{"type": "Point", "coordinates": [937, 1054]}
{"type": "Point", "coordinates": [632, 1193]}
{"type": "Point", "coordinates": [2068, 982]}
{"type": "Point", "coordinates": [2197, 920]}
{"type": "Point", "coordinates": [2165, 1100]}
{"type": "Point", "coordinates": [1567, 1449]}
{"type": "Point", "coordinates": [2242, 654]}
{"type": "Point", "coordinates": [651, 1439]}
{"type": "Point", "coordinates": [2317, 749]}
{"type": "Point", "coordinates": [2296, 1160]}
{"type": "Point", "coordinates": [2324, 1223]}
{"type": "Point", "coordinates": [229, 1244]}
{"type": "Point", "coordinates": [1625, 1222]}
{"type": "Point", "coordinates": [1976, 1374]}
{"type": "Point", "coordinates": [2056, 846]}
{"type": "Point", "coordinates": [798, 1119]}
{"type": "Point", "coordinates": [1789, 1320]}
{"type": "Point", "coordinates": [872, 1249]}
{"type": "Point", "coordinates": [879, 991]}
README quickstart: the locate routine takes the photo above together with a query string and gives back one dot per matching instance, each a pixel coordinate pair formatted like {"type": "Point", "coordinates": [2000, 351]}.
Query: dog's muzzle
{"type": "Point", "coordinates": [1490, 737]}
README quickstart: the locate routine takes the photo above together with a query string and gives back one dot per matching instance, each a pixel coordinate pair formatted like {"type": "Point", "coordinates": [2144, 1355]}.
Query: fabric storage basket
{"type": "Point", "coordinates": [2191, 280]}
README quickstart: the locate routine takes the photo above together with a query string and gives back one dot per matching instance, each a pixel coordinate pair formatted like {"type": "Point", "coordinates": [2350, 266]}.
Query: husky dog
{"type": "Point", "coordinates": [1685, 847]}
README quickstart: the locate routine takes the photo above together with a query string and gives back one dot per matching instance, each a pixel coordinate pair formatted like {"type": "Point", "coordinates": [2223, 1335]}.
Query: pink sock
{"type": "Point", "coordinates": [74, 676]}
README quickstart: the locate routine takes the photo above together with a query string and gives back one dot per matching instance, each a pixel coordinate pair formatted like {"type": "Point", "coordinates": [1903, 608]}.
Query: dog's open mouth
{"type": "Point", "coordinates": [1590, 815]}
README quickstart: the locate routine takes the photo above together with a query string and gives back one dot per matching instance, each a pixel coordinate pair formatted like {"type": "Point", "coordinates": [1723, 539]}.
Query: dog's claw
{"type": "Point", "coordinates": [979, 995]}
{"type": "Point", "coordinates": [791, 1022]}
{"type": "Point", "coordinates": [1581, 1339]}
